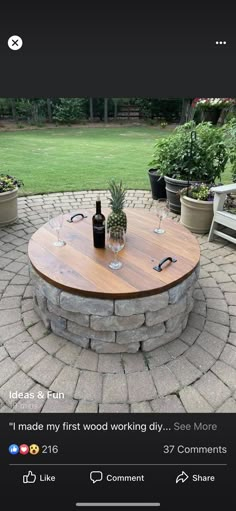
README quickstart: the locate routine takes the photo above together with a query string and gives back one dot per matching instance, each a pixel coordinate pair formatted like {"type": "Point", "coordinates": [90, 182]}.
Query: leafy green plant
{"type": "Point", "coordinates": [198, 192]}
{"type": "Point", "coordinates": [199, 158]}
{"type": "Point", "coordinates": [229, 130]}
{"type": "Point", "coordinates": [69, 110]}
{"type": "Point", "coordinates": [8, 183]}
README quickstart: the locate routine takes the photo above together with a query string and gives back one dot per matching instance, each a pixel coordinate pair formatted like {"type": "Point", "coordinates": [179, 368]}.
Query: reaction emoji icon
{"type": "Point", "coordinates": [13, 449]}
{"type": "Point", "coordinates": [34, 449]}
{"type": "Point", "coordinates": [24, 449]}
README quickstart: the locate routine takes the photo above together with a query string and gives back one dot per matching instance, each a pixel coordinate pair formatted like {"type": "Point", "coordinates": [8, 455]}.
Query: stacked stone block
{"type": "Point", "coordinates": [115, 326]}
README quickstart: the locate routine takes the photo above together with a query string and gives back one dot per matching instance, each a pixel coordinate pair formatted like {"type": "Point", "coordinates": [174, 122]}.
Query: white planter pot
{"type": "Point", "coordinates": [8, 207]}
{"type": "Point", "coordinates": [196, 215]}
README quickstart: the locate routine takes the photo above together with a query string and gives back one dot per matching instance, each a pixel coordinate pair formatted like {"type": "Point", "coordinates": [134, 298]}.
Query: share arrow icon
{"type": "Point", "coordinates": [182, 477]}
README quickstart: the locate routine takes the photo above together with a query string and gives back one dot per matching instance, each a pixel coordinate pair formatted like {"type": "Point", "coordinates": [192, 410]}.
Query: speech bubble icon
{"type": "Point", "coordinates": [96, 476]}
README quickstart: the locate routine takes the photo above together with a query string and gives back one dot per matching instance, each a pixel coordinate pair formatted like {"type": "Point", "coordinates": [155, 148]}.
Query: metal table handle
{"type": "Point", "coordinates": [159, 266]}
{"type": "Point", "coordinates": [77, 214]}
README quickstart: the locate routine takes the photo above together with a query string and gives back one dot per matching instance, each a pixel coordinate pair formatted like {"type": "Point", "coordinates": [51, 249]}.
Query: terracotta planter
{"type": "Point", "coordinates": [8, 207]}
{"type": "Point", "coordinates": [196, 215]}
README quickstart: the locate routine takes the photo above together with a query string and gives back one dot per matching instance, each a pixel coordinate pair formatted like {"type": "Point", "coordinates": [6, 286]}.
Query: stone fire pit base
{"type": "Point", "coordinates": [115, 326]}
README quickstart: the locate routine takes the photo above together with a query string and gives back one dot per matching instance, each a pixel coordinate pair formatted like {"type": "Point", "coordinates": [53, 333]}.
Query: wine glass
{"type": "Point", "coordinates": [116, 242]}
{"type": "Point", "coordinates": [56, 221]}
{"type": "Point", "coordinates": [162, 210]}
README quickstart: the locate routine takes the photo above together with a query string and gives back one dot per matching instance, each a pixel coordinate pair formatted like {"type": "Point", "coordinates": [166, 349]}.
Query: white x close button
{"type": "Point", "coordinates": [15, 42]}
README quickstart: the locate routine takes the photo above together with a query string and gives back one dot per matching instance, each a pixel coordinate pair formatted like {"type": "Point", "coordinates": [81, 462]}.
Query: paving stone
{"type": "Point", "coordinates": [230, 298]}
{"type": "Point", "coordinates": [30, 318]}
{"type": "Point", "coordinates": [87, 407]}
{"type": "Point", "coordinates": [219, 305]}
{"type": "Point", "coordinates": [4, 261]}
{"type": "Point", "coordinates": [184, 371]}
{"type": "Point", "coordinates": [221, 276]}
{"type": "Point", "coordinates": [168, 404]}
{"type": "Point", "coordinates": [3, 353]}
{"type": "Point", "coordinates": [30, 357]}
{"type": "Point", "coordinates": [211, 344]}
{"type": "Point", "coordinates": [140, 387]}
{"type": "Point", "coordinates": [14, 267]}
{"type": "Point", "coordinates": [7, 369]}
{"type": "Point", "coordinates": [66, 381]}
{"type": "Point", "coordinates": [217, 330]}
{"type": "Point", "coordinates": [200, 358]}
{"type": "Point", "coordinates": [51, 343]}
{"type": "Point", "coordinates": [3, 285]}
{"type": "Point", "coordinates": [113, 408]}
{"type": "Point", "coordinates": [189, 335]}
{"type": "Point", "coordinates": [9, 316]}
{"type": "Point", "coordinates": [89, 386]}
{"type": "Point", "coordinates": [69, 353]}
{"type": "Point", "coordinates": [217, 316]}
{"type": "Point", "coordinates": [133, 362]}
{"type": "Point", "coordinates": [143, 407]}
{"type": "Point", "coordinates": [27, 305]}
{"type": "Point", "coordinates": [10, 303]}
{"type": "Point", "coordinates": [20, 382]}
{"type": "Point", "coordinates": [228, 287]}
{"type": "Point", "coordinates": [176, 348]}
{"type": "Point", "coordinates": [194, 402]}
{"type": "Point", "coordinates": [115, 388]}
{"type": "Point", "coordinates": [232, 324]}
{"type": "Point", "coordinates": [87, 359]}
{"type": "Point", "coordinates": [228, 407]}
{"type": "Point", "coordinates": [18, 344]}
{"type": "Point", "coordinates": [66, 405]}
{"type": "Point", "coordinates": [165, 381]}
{"type": "Point", "coordinates": [226, 373]}
{"type": "Point", "coordinates": [46, 370]}
{"type": "Point", "coordinates": [196, 321]}
{"type": "Point", "coordinates": [228, 355]}
{"type": "Point", "coordinates": [232, 310]}
{"type": "Point", "coordinates": [38, 331]}
{"type": "Point", "coordinates": [213, 293]}
{"type": "Point", "coordinates": [110, 363]}
{"type": "Point", "coordinates": [9, 331]}
{"type": "Point", "coordinates": [208, 282]}
{"type": "Point", "coordinates": [212, 389]}
{"type": "Point", "coordinates": [157, 357]}
{"type": "Point", "coordinates": [6, 275]}
{"type": "Point", "coordinates": [232, 339]}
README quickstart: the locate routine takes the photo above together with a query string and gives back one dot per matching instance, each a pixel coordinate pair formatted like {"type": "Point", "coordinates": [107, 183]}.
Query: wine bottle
{"type": "Point", "coordinates": [98, 222]}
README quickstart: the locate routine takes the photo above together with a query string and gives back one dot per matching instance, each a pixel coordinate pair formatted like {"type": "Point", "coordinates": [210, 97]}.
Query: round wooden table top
{"type": "Point", "coordinates": [80, 268]}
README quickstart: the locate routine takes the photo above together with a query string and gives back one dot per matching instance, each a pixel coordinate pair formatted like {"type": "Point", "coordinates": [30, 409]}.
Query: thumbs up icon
{"type": "Point", "coordinates": [29, 478]}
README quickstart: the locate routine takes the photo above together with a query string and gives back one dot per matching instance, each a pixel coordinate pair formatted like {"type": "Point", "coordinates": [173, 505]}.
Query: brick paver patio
{"type": "Point", "coordinates": [196, 373]}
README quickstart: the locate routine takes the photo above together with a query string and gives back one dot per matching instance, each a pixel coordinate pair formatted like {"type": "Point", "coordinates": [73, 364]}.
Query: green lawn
{"type": "Point", "coordinates": [67, 159]}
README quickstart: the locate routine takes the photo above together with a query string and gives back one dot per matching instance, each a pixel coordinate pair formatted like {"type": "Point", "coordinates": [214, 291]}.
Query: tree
{"type": "Point", "coordinates": [106, 110]}
{"type": "Point", "coordinates": [91, 109]}
{"type": "Point", "coordinates": [49, 109]}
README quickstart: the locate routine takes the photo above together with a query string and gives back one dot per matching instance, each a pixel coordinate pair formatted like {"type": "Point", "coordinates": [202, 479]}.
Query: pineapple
{"type": "Point", "coordinates": [118, 217]}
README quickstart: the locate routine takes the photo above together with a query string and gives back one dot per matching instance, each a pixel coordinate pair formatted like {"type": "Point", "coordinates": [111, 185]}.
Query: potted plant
{"type": "Point", "coordinates": [157, 183]}
{"type": "Point", "coordinates": [192, 153]}
{"type": "Point", "coordinates": [211, 108]}
{"type": "Point", "coordinates": [8, 199]}
{"type": "Point", "coordinates": [197, 207]}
